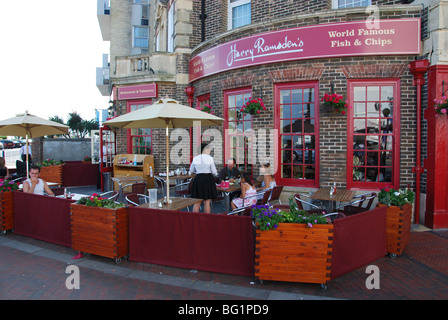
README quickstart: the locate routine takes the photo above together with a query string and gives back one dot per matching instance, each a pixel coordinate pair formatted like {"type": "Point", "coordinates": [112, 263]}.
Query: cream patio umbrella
{"type": "Point", "coordinates": [30, 126]}
{"type": "Point", "coordinates": [165, 113]}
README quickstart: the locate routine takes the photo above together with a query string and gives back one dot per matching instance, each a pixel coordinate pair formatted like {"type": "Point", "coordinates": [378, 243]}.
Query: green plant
{"type": "Point", "coordinates": [8, 185]}
{"type": "Point", "coordinates": [253, 106]}
{"type": "Point", "coordinates": [395, 197]}
{"type": "Point", "coordinates": [268, 218]}
{"type": "Point", "coordinates": [87, 159]}
{"type": "Point", "coordinates": [336, 102]}
{"type": "Point", "coordinates": [207, 108]}
{"type": "Point", "coordinates": [50, 162]}
{"type": "Point", "coordinates": [97, 201]}
{"type": "Point", "coordinates": [441, 105]}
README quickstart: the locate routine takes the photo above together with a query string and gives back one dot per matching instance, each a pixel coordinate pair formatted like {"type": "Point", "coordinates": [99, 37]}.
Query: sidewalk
{"type": "Point", "coordinates": [32, 269]}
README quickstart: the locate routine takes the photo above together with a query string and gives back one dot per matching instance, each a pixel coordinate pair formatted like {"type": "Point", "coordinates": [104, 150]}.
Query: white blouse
{"type": "Point", "coordinates": [203, 163]}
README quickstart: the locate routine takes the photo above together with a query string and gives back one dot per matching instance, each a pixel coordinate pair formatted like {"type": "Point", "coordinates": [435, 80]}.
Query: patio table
{"type": "Point", "coordinates": [177, 203]}
{"type": "Point", "coordinates": [341, 195]}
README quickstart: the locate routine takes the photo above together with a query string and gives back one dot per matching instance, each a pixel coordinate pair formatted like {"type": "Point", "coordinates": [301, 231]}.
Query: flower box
{"type": "Point", "coordinates": [398, 228]}
{"type": "Point", "coordinates": [52, 174]}
{"type": "Point", "coordinates": [294, 252]}
{"type": "Point", "coordinates": [100, 231]}
{"type": "Point", "coordinates": [6, 211]}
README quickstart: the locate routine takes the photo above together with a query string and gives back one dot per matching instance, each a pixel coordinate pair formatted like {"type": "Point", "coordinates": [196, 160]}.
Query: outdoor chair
{"type": "Point", "coordinates": [316, 207]}
{"type": "Point", "coordinates": [160, 185]}
{"type": "Point", "coordinates": [183, 189]}
{"type": "Point", "coordinates": [58, 191]}
{"type": "Point", "coordinates": [334, 215]}
{"type": "Point", "coordinates": [110, 195]}
{"type": "Point", "coordinates": [275, 194]}
{"type": "Point", "coordinates": [136, 199]}
{"type": "Point", "coordinates": [266, 194]}
{"type": "Point", "coordinates": [356, 205]}
{"type": "Point", "coordinates": [139, 187]}
{"type": "Point", "coordinates": [243, 211]}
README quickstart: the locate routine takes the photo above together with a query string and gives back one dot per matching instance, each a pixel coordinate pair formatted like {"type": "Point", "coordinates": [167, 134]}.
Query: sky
{"type": "Point", "coordinates": [49, 53]}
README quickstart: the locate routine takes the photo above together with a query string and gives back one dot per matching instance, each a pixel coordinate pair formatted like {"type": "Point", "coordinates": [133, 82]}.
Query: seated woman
{"type": "Point", "coordinates": [268, 179]}
{"type": "Point", "coordinates": [4, 172]}
{"type": "Point", "coordinates": [248, 193]}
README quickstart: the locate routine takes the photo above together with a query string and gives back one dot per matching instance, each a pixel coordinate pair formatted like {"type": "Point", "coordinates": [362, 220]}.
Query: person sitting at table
{"type": "Point", "coordinates": [230, 172]}
{"type": "Point", "coordinates": [36, 185]}
{"type": "Point", "coordinates": [203, 186]}
{"type": "Point", "coordinates": [4, 172]}
{"type": "Point", "coordinates": [248, 193]}
{"type": "Point", "coordinates": [268, 179]}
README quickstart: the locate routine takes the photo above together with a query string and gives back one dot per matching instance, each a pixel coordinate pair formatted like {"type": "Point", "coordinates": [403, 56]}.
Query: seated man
{"type": "Point", "coordinates": [36, 185]}
{"type": "Point", "coordinates": [230, 172]}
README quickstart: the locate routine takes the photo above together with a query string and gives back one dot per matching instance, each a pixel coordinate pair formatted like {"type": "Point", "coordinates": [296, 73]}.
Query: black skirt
{"type": "Point", "coordinates": [204, 187]}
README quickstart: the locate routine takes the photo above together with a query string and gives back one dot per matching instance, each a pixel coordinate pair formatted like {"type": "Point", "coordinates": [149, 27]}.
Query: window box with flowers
{"type": "Point", "coordinates": [441, 105]}
{"type": "Point", "coordinates": [207, 108]}
{"type": "Point", "coordinates": [398, 217]}
{"type": "Point", "coordinates": [51, 170]}
{"type": "Point", "coordinates": [253, 106]}
{"type": "Point", "coordinates": [292, 245]}
{"type": "Point", "coordinates": [100, 226]}
{"type": "Point", "coordinates": [335, 103]}
{"type": "Point", "coordinates": [6, 204]}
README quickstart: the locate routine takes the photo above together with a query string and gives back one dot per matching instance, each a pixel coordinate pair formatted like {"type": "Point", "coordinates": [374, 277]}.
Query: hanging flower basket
{"type": "Point", "coordinates": [253, 106]}
{"type": "Point", "coordinates": [336, 103]}
{"type": "Point", "coordinates": [441, 105]}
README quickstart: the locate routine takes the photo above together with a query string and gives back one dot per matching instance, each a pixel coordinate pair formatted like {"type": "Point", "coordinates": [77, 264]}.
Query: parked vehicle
{"type": "Point", "coordinates": [7, 144]}
{"type": "Point", "coordinates": [1, 146]}
{"type": "Point", "coordinates": [17, 144]}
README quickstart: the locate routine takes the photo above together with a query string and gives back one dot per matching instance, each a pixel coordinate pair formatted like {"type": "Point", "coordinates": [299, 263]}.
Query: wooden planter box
{"type": "Point", "coordinates": [6, 211]}
{"type": "Point", "coordinates": [294, 253]}
{"type": "Point", "coordinates": [100, 231]}
{"type": "Point", "coordinates": [52, 174]}
{"type": "Point", "coordinates": [398, 228]}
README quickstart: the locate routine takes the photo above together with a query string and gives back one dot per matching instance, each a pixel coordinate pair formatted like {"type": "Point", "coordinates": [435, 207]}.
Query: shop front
{"type": "Point", "coordinates": [366, 145]}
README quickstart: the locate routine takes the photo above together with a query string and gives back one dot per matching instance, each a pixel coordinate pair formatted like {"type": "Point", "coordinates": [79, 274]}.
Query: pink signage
{"type": "Point", "coordinates": [137, 92]}
{"type": "Point", "coordinates": [355, 38]}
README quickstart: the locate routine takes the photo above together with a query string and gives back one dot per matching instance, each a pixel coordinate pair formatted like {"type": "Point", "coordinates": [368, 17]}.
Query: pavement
{"type": "Point", "coordinates": [31, 269]}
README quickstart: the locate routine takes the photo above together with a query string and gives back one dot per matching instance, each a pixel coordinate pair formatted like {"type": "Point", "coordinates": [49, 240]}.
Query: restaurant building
{"type": "Point", "coordinates": [387, 59]}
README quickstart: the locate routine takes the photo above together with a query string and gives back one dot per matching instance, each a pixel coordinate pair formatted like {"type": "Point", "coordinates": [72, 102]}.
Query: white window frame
{"type": "Point", "coordinates": [335, 4]}
{"type": "Point", "coordinates": [230, 6]}
{"type": "Point", "coordinates": [170, 40]}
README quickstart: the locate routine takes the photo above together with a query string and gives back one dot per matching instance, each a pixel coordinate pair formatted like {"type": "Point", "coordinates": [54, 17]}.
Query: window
{"type": "Point", "coordinates": [297, 122]}
{"type": "Point", "coordinates": [238, 144]}
{"type": "Point", "coordinates": [141, 37]}
{"type": "Point", "coordinates": [373, 134]}
{"type": "Point", "coordinates": [238, 13]}
{"type": "Point", "coordinates": [340, 4]}
{"type": "Point", "coordinates": [139, 140]}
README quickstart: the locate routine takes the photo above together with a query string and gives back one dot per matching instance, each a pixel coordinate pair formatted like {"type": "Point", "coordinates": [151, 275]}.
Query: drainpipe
{"type": "Point", "coordinates": [418, 69]}
{"type": "Point", "coordinates": [203, 16]}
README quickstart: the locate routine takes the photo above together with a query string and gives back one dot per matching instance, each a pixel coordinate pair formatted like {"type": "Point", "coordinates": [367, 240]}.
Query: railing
{"type": "Point", "coordinates": [146, 64]}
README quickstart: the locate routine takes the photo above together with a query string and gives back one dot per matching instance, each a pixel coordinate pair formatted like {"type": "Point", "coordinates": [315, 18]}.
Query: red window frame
{"type": "Point", "coordinates": [383, 136]}
{"type": "Point", "coordinates": [314, 183]}
{"type": "Point", "coordinates": [129, 104]}
{"type": "Point", "coordinates": [228, 134]}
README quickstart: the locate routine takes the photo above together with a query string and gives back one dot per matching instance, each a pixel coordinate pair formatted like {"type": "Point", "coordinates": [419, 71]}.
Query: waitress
{"type": "Point", "coordinates": [204, 186]}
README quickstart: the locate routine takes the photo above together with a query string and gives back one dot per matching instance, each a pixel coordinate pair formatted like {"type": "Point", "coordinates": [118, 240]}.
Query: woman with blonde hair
{"type": "Point", "coordinates": [268, 179]}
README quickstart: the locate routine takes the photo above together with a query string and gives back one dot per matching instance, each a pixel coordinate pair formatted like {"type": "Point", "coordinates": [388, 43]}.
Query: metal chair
{"type": "Point", "coordinates": [136, 199]}
{"type": "Point", "coordinates": [335, 215]}
{"type": "Point", "coordinates": [275, 194]}
{"type": "Point", "coordinates": [266, 195]}
{"type": "Point", "coordinates": [139, 187]}
{"type": "Point", "coordinates": [318, 208]}
{"type": "Point", "coordinates": [160, 185]}
{"type": "Point", "coordinates": [356, 206]}
{"type": "Point", "coordinates": [110, 195]}
{"type": "Point", "coordinates": [183, 189]}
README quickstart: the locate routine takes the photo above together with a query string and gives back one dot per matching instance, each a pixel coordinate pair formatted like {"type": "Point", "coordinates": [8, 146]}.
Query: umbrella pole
{"type": "Point", "coordinates": [26, 163]}
{"type": "Point", "coordinates": [167, 166]}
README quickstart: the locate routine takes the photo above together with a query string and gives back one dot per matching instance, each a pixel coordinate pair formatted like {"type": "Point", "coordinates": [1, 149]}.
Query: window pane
{"type": "Point", "coordinates": [241, 15]}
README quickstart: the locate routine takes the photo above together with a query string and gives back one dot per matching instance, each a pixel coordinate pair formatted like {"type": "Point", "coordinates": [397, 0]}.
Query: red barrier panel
{"type": "Point", "coordinates": [200, 241]}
